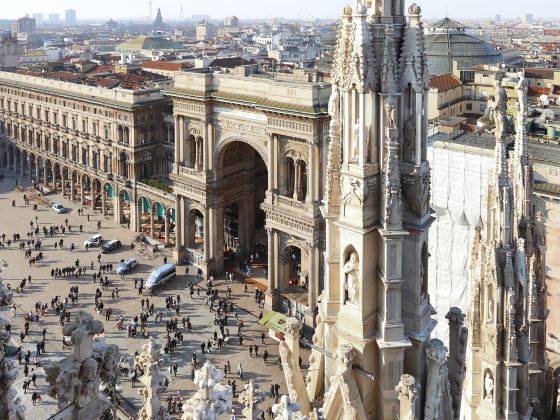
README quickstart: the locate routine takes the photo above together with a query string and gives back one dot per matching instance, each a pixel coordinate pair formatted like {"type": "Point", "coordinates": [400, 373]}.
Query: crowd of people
{"type": "Point", "coordinates": [174, 313]}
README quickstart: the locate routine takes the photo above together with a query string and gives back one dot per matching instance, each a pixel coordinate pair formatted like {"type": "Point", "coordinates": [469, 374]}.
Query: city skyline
{"type": "Point", "coordinates": [218, 9]}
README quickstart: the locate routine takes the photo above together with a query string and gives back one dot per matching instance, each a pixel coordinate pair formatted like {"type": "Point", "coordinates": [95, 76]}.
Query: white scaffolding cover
{"type": "Point", "coordinates": [459, 181]}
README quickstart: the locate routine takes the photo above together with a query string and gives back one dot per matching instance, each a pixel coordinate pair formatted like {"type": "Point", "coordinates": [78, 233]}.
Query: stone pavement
{"type": "Point", "coordinates": [43, 288]}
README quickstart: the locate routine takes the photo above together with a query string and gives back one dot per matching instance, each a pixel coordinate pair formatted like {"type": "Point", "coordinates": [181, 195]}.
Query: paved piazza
{"type": "Point", "coordinates": [44, 287]}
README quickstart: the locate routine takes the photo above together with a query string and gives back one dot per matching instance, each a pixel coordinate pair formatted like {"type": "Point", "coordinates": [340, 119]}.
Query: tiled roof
{"type": "Point", "coordinates": [166, 65]}
{"type": "Point", "coordinates": [445, 82]}
{"type": "Point", "coordinates": [532, 73]}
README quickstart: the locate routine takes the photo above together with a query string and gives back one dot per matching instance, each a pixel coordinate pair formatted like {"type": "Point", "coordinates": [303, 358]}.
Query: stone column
{"type": "Point", "coordinates": [44, 173]}
{"type": "Point", "coordinates": [72, 187]}
{"type": "Point", "coordinates": [29, 168]}
{"type": "Point", "coordinates": [92, 192]}
{"type": "Point", "coordinates": [207, 236]}
{"type": "Point", "coordinates": [136, 217]}
{"type": "Point", "coordinates": [82, 195]}
{"type": "Point", "coordinates": [456, 358]}
{"type": "Point", "coordinates": [21, 165]}
{"type": "Point", "coordinates": [271, 162]}
{"type": "Point", "coordinates": [418, 158]}
{"type": "Point", "coordinates": [296, 178]}
{"type": "Point", "coordinates": [166, 219]}
{"type": "Point", "coordinates": [311, 175]}
{"type": "Point", "coordinates": [37, 170]}
{"type": "Point", "coordinates": [54, 178]}
{"type": "Point", "coordinates": [313, 279]}
{"type": "Point", "coordinates": [103, 201]}
{"type": "Point", "coordinates": [177, 139]}
{"type": "Point", "coordinates": [272, 297]}
{"type": "Point", "coordinates": [178, 222]}
{"type": "Point", "coordinates": [408, 394]}
{"type": "Point", "coordinates": [63, 182]}
{"type": "Point", "coordinates": [152, 230]}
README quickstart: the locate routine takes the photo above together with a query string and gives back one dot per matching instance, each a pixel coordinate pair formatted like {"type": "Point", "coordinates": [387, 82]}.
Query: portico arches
{"type": "Point", "coordinates": [258, 146]}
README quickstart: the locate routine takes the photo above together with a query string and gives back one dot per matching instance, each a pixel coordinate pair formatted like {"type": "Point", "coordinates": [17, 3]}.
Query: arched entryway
{"type": "Point", "coordinates": [243, 176]}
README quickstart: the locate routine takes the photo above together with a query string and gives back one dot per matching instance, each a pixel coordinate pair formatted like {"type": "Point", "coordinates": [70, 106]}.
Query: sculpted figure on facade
{"type": "Point", "coordinates": [409, 139]}
{"type": "Point", "coordinates": [75, 380]}
{"type": "Point", "coordinates": [357, 139]}
{"type": "Point", "coordinates": [499, 106]}
{"type": "Point", "coordinates": [408, 391]}
{"type": "Point", "coordinates": [250, 397]}
{"type": "Point", "coordinates": [522, 89]}
{"type": "Point", "coordinates": [10, 404]}
{"type": "Point", "coordinates": [148, 361]}
{"type": "Point", "coordinates": [6, 294]}
{"type": "Point", "coordinates": [212, 399]}
{"type": "Point", "coordinates": [351, 279]}
{"type": "Point", "coordinates": [488, 387]}
{"type": "Point", "coordinates": [391, 114]}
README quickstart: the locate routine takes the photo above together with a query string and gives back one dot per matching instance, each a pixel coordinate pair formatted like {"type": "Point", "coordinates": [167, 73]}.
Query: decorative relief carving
{"type": "Point", "coordinates": [416, 192]}
{"type": "Point", "coordinates": [189, 107]}
{"type": "Point", "coordinates": [239, 127]}
{"type": "Point", "coordinates": [291, 124]}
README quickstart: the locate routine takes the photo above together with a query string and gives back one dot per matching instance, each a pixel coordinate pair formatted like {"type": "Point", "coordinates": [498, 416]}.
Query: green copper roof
{"type": "Point", "coordinates": [149, 43]}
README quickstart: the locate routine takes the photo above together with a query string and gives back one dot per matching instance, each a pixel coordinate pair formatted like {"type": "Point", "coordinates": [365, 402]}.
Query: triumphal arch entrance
{"type": "Point", "coordinates": [247, 178]}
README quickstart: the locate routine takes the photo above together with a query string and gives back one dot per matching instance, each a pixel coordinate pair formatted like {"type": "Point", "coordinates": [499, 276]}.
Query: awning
{"type": "Point", "coordinates": [274, 321]}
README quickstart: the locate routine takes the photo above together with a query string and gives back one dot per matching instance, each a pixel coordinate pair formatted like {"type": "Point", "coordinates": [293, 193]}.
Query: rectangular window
{"type": "Point", "coordinates": [482, 107]}
{"type": "Point", "coordinates": [469, 107]}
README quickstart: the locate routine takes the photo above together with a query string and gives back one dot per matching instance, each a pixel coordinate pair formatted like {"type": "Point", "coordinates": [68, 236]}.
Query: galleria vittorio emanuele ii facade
{"type": "Point", "coordinates": [326, 185]}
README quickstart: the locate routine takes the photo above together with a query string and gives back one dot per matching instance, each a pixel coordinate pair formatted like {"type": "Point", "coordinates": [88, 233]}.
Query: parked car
{"type": "Point", "coordinates": [126, 266]}
{"type": "Point", "coordinates": [110, 246]}
{"type": "Point", "coordinates": [95, 240]}
{"type": "Point", "coordinates": [160, 276]}
{"type": "Point", "coordinates": [58, 208]}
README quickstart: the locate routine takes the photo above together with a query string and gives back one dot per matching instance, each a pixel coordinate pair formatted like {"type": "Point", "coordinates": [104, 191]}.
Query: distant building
{"type": "Point", "coordinates": [529, 18]}
{"type": "Point", "coordinates": [147, 44]}
{"type": "Point", "coordinates": [158, 23]}
{"type": "Point", "coordinates": [10, 51]}
{"type": "Point", "coordinates": [231, 22]}
{"type": "Point", "coordinates": [112, 25]}
{"type": "Point", "coordinates": [54, 18]}
{"type": "Point", "coordinates": [38, 18]}
{"type": "Point", "coordinates": [447, 42]}
{"type": "Point", "coordinates": [498, 18]}
{"type": "Point", "coordinates": [205, 31]}
{"type": "Point", "coordinates": [70, 17]}
{"type": "Point", "coordinates": [23, 25]}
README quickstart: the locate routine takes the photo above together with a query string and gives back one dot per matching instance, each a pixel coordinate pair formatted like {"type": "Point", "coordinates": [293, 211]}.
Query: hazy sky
{"type": "Point", "coordinates": [268, 8]}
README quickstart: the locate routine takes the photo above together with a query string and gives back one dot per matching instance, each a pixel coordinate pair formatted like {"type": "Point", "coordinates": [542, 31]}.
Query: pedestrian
{"type": "Point", "coordinates": [233, 415]}
{"type": "Point", "coordinates": [34, 379]}
{"type": "Point", "coordinates": [265, 357]}
{"type": "Point", "coordinates": [250, 350]}
{"type": "Point", "coordinates": [240, 371]}
{"type": "Point", "coordinates": [34, 397]}
{"type": "Point", "coordinates": [256, 348]}
{"type": "Point", "coordinates": [262, 337]}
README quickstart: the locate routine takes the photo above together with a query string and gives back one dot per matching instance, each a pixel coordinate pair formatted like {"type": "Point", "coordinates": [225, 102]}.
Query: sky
{"type": "Point", "coordinates": [105, 9]}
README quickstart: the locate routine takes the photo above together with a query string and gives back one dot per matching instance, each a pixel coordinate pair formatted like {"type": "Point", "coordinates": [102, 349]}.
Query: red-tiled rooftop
{"type": "Point", "coordinates": [166, 65]}
{"type": "Point", "coordinates": [444, 82]}
{"type": "Point", "coordinates": [533, 73]}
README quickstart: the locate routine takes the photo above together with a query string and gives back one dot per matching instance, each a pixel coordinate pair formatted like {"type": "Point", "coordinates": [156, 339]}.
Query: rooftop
{"type": "Point", "coordinates": [144, 43]}
{"type": "Point", "coordinates": [445, 82]}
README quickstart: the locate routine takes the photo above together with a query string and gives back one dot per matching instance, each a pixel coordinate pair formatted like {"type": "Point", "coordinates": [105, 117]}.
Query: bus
{"type": "Point", "coordinates": [161, 276]}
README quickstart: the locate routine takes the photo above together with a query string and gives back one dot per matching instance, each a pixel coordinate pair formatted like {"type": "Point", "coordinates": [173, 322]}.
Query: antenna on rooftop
{"type": "Point", "coordinates": [150, 10]}
{"type": "Point", "coordinates": [181, 10]}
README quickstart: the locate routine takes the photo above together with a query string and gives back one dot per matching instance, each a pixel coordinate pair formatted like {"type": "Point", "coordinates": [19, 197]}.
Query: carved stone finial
{"type": "Point", "coordinates": [347, 11]}
{"type": "Point", "coordinates": [292, 328]}
{"type": "Point", "coordinates": [414, 10]}
{"type": "Point", "coordinates": [408, 391]}
{"type": "Point", "coordinates": [455, 315]}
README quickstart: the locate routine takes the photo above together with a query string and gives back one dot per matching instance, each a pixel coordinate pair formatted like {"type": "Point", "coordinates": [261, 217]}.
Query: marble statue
{"type": "Point", "coordinates": [148, 361]}
{"type": "Point", "coordinates": [212, 399]}
{"type": "Point", "coordinates": [522, 89]}
{"type": "Point", "coordinates": [408, 391]}
{"type": "Point", "coordinates": [250, 397]}
{"type": "Point", "coordinates": [11, 405]}
{"type": "Point", "coordinates": [75, 380]}
{"type": "Point", "coordinates": [6, 294]}
{"type": "Point", "coordinates": [351, 281]}
{"type": "Point", "coordinates": [334, 106]}
{"type": "Point", "coordinates": [357, 139]}
{"type": "Point", "coordinates": [409, 139]}
{"type": "Point", "coordinates": [286, 409]}
{"type": "Point", "coordinates": [490, 310]}
{"type": "Point", "coordinates": [488, 388]}
{"type": "Point", "coordinates": [391, 114]}
{"type": "Point", "coordinates": [499, 106]}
